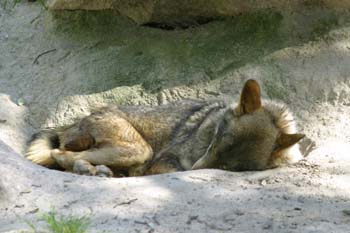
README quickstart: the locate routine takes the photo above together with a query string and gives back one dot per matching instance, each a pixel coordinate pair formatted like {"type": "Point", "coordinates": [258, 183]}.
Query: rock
{"type": "Point", "coordinates": [186, 12]}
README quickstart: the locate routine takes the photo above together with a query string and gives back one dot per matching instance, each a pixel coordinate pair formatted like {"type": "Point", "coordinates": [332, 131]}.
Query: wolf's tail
{"type": "Point", "coordinates": [41, 145]}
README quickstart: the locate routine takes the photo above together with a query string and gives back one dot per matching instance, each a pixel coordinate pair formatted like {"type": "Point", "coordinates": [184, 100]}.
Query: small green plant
{"type": "Point", "coordinates": [61, 224]}
{"type": "Point", "coordinates": [66, 224]}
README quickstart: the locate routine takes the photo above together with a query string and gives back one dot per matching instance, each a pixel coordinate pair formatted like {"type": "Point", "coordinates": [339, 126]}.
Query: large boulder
{"type": "Point", "coordinates": [169, 11]}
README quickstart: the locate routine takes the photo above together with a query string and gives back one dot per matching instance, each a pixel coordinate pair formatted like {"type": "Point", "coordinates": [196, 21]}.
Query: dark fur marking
{"type": "Point", "coordinates": [55, 141]}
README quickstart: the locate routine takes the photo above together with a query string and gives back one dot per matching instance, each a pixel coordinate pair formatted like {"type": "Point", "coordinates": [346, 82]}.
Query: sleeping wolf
{"type": "Point", "coordinates": [185, 135]}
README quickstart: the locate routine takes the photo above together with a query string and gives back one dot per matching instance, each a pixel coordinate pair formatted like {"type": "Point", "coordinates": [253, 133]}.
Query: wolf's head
{"type": "Point", "coordinates": [255, 135]}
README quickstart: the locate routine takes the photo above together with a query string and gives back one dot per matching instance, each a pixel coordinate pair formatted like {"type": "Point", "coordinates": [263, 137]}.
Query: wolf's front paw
{"type": "Point", "coordinates": [103, 171]}
{"type": "Point", "coordinates": [83, 167]}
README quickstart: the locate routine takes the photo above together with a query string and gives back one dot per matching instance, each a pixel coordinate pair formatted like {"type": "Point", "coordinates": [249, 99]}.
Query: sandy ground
{"type": "Point", "coordinates": [313, 77]}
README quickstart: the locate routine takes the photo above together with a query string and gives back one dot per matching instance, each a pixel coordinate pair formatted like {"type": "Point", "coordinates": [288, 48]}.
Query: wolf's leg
{"type": "Point", "coordinates": [116, 143]}
{"type": "Point", "coordinates": [126, 155]}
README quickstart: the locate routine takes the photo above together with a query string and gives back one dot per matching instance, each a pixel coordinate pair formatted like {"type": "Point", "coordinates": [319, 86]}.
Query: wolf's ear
{"type": "Point", "coordinates": [286, 140]}
{"type": "Point", "coordinates": [250, 97]}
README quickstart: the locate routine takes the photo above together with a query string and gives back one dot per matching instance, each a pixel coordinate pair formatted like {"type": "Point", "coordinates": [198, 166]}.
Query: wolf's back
{"type": "Point", "coordinates": [41, 145]}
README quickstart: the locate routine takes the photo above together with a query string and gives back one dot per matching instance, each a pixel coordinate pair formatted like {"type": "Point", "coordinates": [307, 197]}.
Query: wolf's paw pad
{"type": "Point", "coordinates": [83, 167]}
{"type": "Point", "coordinates": [103, 171]}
